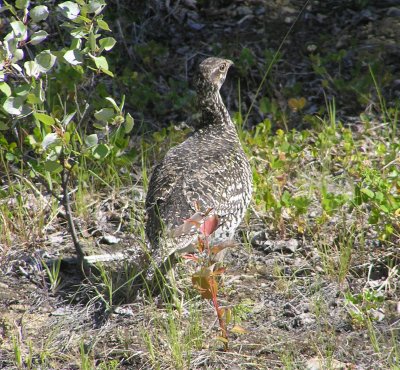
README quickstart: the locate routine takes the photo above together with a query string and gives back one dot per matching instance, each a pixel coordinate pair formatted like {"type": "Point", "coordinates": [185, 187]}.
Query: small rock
{"type": "Point", "coordinates": [307, 318]}
{"type": "Point", "coordinates": [378, 315]}
{"type": "Point", "coordinates": [289, 20]}
{"type": "Point", "coordinates": [290, 245]}
{"type": "Point", "coordinates": [127, 311]}
{"type": "Point", "coordinates": [320, 364]}
{"type": "Point", "coordinates": [61, 311]}
{"type": "Point", "coordinates": [297, 323]}
{"type": "Point", "coordinates": [288, 9]}
{"type": "Point", "coordinates": [343, 327]}
{"type": "Point", "coordinates": [195, 25]}
{"type": "Point", "coordinates": [56, 238]}
{"type": "Point", "coordinates": [393, 12]}
{"type": "Point", "coordinates": [243, 10]}
{"type": "Point", "coordinates": [311, 48]}
{"type": "Point", "coordinates": [190, 3]}
{"type": "Point", "coordinates": [109, 239]}
{"type": "Point", "coordinates": [259, 241]}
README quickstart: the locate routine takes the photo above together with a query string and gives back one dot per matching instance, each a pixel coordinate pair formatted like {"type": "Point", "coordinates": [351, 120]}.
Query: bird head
{"type": "Point", "coordinates": [212, 71]}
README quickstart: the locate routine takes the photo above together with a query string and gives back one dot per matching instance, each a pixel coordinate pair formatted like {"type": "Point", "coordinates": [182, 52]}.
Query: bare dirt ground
{"type": "Point", "coordinates": [293, 311]}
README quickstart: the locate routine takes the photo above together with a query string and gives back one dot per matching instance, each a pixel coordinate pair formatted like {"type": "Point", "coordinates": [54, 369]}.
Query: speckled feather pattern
{"type": "Point", "coordinates": [210, 168]}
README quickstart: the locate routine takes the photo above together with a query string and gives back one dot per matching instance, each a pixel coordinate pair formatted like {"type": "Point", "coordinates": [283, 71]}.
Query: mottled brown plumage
{"type": "Point", "coordinates": [209, 168]}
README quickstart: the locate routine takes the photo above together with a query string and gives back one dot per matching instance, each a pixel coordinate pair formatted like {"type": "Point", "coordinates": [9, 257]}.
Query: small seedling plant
{"type": "Point", "coordinates": [208, 272]}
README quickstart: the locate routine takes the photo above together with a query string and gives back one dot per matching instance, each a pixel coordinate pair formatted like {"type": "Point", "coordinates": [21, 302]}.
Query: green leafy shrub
{"type": "Point", "coordinates": [48, 95]}
{"type": "Point", "coordinates": [56, 115]}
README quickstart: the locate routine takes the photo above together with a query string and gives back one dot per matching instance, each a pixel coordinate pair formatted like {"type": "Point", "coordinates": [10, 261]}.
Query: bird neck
{"type": "Point", "coordinates": [213, 111]}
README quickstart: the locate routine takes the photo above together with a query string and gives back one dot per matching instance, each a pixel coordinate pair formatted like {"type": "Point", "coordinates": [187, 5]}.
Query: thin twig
{"type": "Point", "coordinates": [67, 207]}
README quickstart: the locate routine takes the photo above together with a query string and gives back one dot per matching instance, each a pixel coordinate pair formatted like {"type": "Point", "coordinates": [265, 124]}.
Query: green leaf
{"type": "Point", "coordinates": [69, 9]}
{"type": "Point", "coordinates": [104, 114]}
{"type": "Point", "coordinates": [107, 43]}
{"type": "Point", "coordinates": [22, 90]}
{"type": "Point", "coordinates": [221, 339]}
{"type": "Point", "coordinates": [84, 19]}
{"type": "Point", "coordinates": [44, 118]}
{"type": "Point", "coordinates": [286, 198]}
{"type": "Point", "coordinates": [101, 151]}
{"type": "Point", "coordinates": [36, 95]}
{"type": "Point", "coordinates": [129, 123]}
{"type": "Point", "coordinates": [39, 91]}
{"type": "Point", "coordinates": [67, 137]}
{"type": "Point", "coordinates": [52, 166]}
{"type": "Point", "coordinates": [38, 37]}
{"type": "Point", "coordinates": [369, 193]}
{"type": "Point", "coordinates": [32, 69]}
{"type": "Point", "coordinates": [45, 60]}
{"type": "Point", "coordinates": [67, 119]}
{"type": "Point", "coordinates": [107, 72]}
{"type": "Point", "coordinates": [92, 41]}
{"type": "Point", "coordinates": [30, 139]}
{"type": "Point", "coordinates": [26, 111]}
{"type": "Point", "coordinates": [10, 43]}
{"type": "Point", "coordinates": [74, 57]}
{"type": "Point", "coordinates": [50, 139]}
{"type": "Point", "coordinates": [19, 29]}
{"type": "Point", "coordinates": [33, 99]}
{"type": "Point", "coordinates": [4, 126]}
{"type": "Point", "coordinates": [79, 32]}
{"type": "Point", "coordinates": [5, 89]}
{"type": "Point", "coordinates": [91, 140]}
{"type": "Point", "coordinates": [379, 196]}
{"type": "Point", "coordinates": [76, 44]}
{"type": "Point", "coordinates": [39, 13]}
{"type": "Point", "coordinates": [114, 104]}
{"type": "Point", "coordinates": [10, 157]}
{"type": "Point", "coordinates": [118, 120]}
{"type": "Point", "coordinates": [101, 62]}
{"type": "Point", "coordinates": [13, 105]}
{"type": "Point", "coordinates": [384, 208]}
{"type": "Point", "coordinates": [22, 4]}
{"type": "Point", "coordinates": [103, 25]}
{"type": "Point", "coordinates": [18, 54]}
{"type": "Point", "coordinates": [96, 6]}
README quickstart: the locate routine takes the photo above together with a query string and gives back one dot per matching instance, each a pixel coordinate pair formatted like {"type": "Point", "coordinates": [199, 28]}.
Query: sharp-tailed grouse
{"type": "Point", "coordinates": [209, 169]}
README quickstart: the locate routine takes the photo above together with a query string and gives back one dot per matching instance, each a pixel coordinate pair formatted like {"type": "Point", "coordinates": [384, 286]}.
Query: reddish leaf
{"type": "Point", "coordinates": [215, 249]}
{"type": "Point", "coordinates": [209, 225]}
{"type": "Point", "coordinates": [219, 271]}
{"type": "Point", "coordinates": [200, 244]}
{"type": "Point", "coordinates": [191, 257]}
{"type": "Point", "coordinates": [281, 179]}
{"type": "Point", "coordinates": [205, 283]}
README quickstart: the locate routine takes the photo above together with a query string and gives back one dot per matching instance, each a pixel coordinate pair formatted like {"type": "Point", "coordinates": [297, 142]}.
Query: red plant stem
{"type": "Point", "coordinates": [213, 284]}
{"type": "Point", "coordinates": [207, 244]}
{"type": "Point", "coordinates": [221, 321]}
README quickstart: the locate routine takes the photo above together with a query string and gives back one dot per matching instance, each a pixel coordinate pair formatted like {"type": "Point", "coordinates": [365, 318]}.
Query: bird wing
{"type": "Point", "coordinates": [179, 184]}
{"type": "Point", "coordinates": [211, 185]}
{"type": "Point", "coordinates": [166, 207]}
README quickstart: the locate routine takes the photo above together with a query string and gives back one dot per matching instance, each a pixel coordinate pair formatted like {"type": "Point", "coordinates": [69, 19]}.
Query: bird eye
{"type": "Point", "coordinates": [222, 67]}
